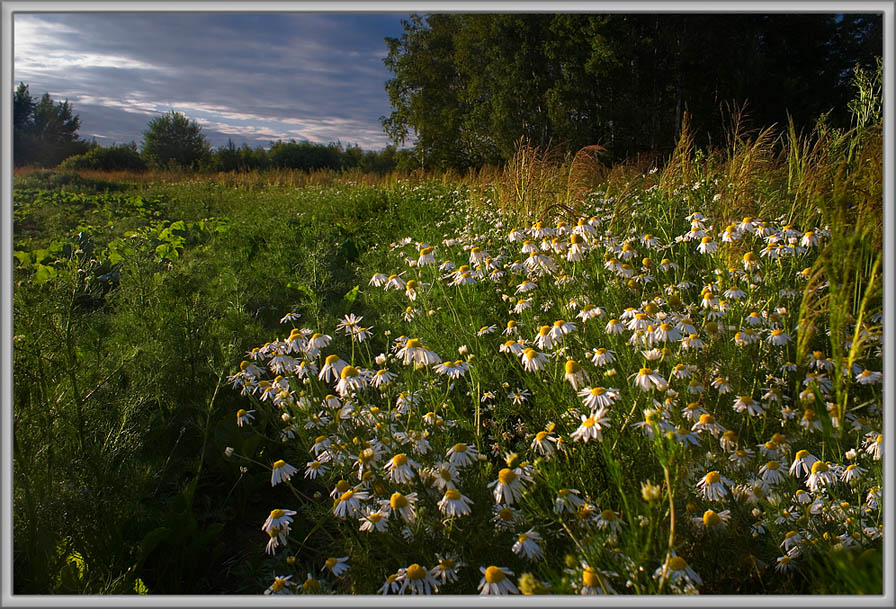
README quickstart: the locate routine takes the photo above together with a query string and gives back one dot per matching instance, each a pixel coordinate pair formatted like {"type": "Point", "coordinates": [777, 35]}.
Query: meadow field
{"type": "Point", "coordinates": [556, 377]}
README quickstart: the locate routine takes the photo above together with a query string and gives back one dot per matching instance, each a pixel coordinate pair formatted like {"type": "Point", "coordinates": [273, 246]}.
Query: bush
{"type": "Point", "coordinates": [124, 157]}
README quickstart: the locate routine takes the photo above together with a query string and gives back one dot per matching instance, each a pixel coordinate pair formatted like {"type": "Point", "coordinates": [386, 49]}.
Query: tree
{"type": "Point", "coordinates": [174, 141]}
{"type": "Point", "coordinates": [468, 87]}
{"type": "Point", "coordinates": [44, 132]}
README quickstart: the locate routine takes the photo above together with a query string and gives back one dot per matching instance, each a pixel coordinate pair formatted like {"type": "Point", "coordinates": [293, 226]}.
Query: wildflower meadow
{"type": "Point", "coordinates": [554, 378]}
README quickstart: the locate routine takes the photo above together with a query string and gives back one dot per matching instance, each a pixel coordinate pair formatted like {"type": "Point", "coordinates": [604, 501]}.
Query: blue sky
{"type": "Point", "coordinates": [253, 78]}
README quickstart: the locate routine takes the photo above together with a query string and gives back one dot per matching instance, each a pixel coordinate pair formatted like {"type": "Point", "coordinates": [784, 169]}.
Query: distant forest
{"type": "Point", "coordinates": [469, 86]}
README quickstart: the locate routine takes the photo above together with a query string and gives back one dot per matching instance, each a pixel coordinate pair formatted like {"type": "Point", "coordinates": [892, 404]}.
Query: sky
{"type": "Point", "coordinates": [251, 78]}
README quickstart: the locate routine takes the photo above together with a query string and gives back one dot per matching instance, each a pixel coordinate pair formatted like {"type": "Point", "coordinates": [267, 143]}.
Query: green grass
{"type": "Point", "coordinates": [135, 303]}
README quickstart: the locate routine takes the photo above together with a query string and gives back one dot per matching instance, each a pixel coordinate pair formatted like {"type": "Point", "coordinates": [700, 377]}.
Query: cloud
{"type": "Point", "coordinates": [246, 77]}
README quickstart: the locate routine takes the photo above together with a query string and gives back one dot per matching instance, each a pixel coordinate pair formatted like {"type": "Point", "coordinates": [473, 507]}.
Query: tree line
{"type": "Point", "coordinates": [467, 87]}
{"type": "Point", "coordinates": [45, 135]}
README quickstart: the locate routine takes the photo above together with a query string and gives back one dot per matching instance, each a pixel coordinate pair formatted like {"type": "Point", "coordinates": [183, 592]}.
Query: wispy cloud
{"type": "Point", "coordinates": [246, 77]}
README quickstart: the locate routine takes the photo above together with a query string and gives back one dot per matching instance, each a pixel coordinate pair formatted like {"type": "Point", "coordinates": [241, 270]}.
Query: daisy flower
{"type": "Point", "coordinates": [399, 468]}
{"type": "Point", "coordinates": [382, 378]}
{"type": "Point", "coordinates": [349, 503]}
{"type": "Point", "coordinates": [708, 423]}
{"type": "Point", "coordinates": [712, 519]}
{"type": "Point", "coordinates": [867, 377]}
{"type": "Point", "coordinates": [608, 519]}
{"type": "Point", "coordinates": [374, 520]}
{"type": "Point", "coordinates": [244, 416]}
{"type": "Point", "coordinates": [350, 381]}
{"type": "Point", "coordinates": [712, 486]}
{"type": "Point", "coordinates": [336, 566]}
{"type": "Point", "coordinates": [279, 519]}
{"type": "Point", "coordinates": [394, 282]}
{"type": "Point", "coordinates": [676, 569]}
{"type": "Point", "coordinates": [614, 326]}
{"type": "Point", "coordinates": [281, 471]}
{"type": "Point", "coordinates": [533, 361]}
{"type": "Point", "coordinates": [452, 370]}
{"type": "Point", "coordinates": [543, 443]}
{"type": "Point", "coordinates": [874, 445]}
{"type": "Point", "coordinates": [418, 579]}
{"type": "Point", "coordinates": [281, 585]}
{"type": "Point", "coordinates": [852, 472]}
{"type": "Point", "coordinates": [461, 455]}
{"type": "Point", "coordinates": [591, 426]}
{"type": "Point", "coordinates": [527, 545]}
{"type": "Point", "coordinates": [647, 378]}
{"type": "Point", "coordinates": [589, 311]}
{"type": "Point", "coordinates": [802, 463]}
{"type": "Point", "coordinates": [403, 504]}
{"type": "Point", "coordinates": [508, 487]}
{"type": "Point", "coordinates": [447, 568]}
{"type": "Point", "coordinates": [453, 503]}
{"type": "Point", "coordinates": [567, 500]}
{"type": "Point", "coordinates": [820, 475]}
{"type": "Point", "coordinates": [575, 374]}
{"type": "Point", "coordinates": [771, 472]}
{"type": "Point", "coordinates": [392, 584]}
{"type": "Point", "coordinates": [598, 397]}
{"type": "Point", "coordinates": [778, 338]}
{"type": "Point", "coordinates": [495, 580]}
{"type": "Point", "coordinates": [414, 351]}
{"type": "Point", "coordinates": [748, 404]}
{"type": "Point", "coordinates": [603, 357]}
{"type": "Point", "coordinates": [378, 280]}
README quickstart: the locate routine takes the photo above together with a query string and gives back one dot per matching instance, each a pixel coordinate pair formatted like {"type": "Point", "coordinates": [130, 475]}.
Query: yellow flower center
{"type": "Point", "coordinates": [707, 419]}
{"type": "Point", "coordinates": [494, 575]}
{"type": "Point", "coordinates": [347, 495]}
{"type": "Point", "coordinates": [399, 460]}
{"type": "Point", "coordinates": [342, 486]}
{"type": "Point", "coordinates": [413, 343]}
{"type": "Point", "coordinates": [349, 371]}
{"type": "Point", "coordinates": [710, 518]}
{"type": "Point", "coordinates": [677, 563]}
{"type": "Point", "coordinates": [331, 359]}
{"type": "Point", "coordinates": [590, 578]}
{"type": "Point", "coordinates": [398, 501]}
{"type": "Point", "coordinates": [411, 285]}
{"type": "Point", "coordinates": [608, 515]}
{"type": "Point", "coordinates": [505, 514]}
{"type": "Point", "coordinates": [415, 571]}
{"type": "Point", "coordinates": [801, 454]}
{"type": "Point", "coordinates": [819, 467]}
{"type": "Point", "coordinates": [713, 477]}
{"type": "Point", "coordinates": [598, 391]}
{"type": "Point", "coordinates": [772, 465]}
{"type": "Point", "coordinates": [530, 353]}
{"type": "Point", "coordinates": [573, 367]}
{"type": "Point", "coordinates": [241, 413]}
{"type": "Point", "coordinates": [506, 476]}
{"type": "Point", "coordinates": [279, 464]}
{"type": "Point", "coordinates": [278, 585]}
{"type": "Point", "coordinates": [645, 371]}
{"type": "Point", "coordinates": [452, 494]}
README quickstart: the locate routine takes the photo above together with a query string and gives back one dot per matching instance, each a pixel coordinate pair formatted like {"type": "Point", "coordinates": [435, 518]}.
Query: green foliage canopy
{"type": "Point", "coordinates": [467, 87]}
{"type": "Point", "coordinates": [44, 132]}
{"type": "Point", "coordinates": [174, 141]}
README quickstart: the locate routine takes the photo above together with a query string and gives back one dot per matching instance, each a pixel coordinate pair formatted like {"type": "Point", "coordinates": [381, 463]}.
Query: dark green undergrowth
{"type": "Point", "coordinates": [131, 305]}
